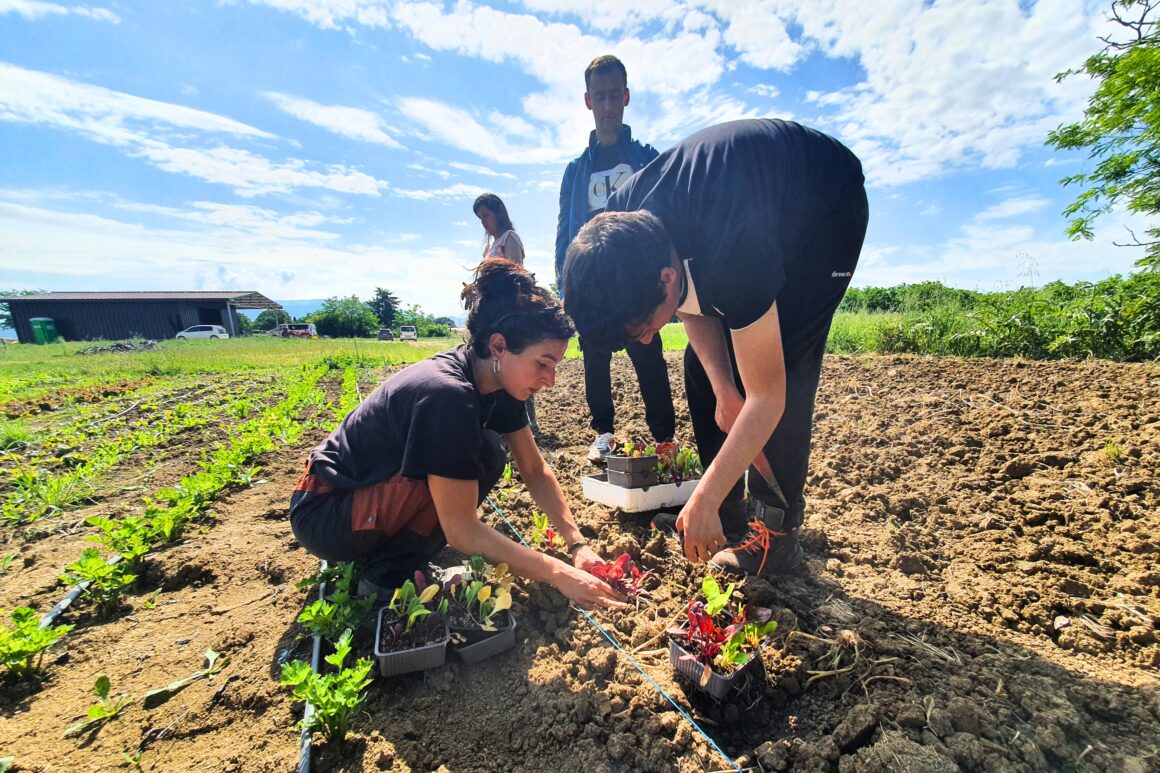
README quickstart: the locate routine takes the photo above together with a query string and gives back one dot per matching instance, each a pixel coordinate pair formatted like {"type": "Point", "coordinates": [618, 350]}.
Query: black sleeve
{"type": "Point", "coordinates": [509, 415]}
{"type": "Point", "coordinates": [443, 436]}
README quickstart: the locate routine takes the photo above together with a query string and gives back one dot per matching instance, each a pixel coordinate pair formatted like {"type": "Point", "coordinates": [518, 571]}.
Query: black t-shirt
{"type": "Point", "coordinates": [734, 199]}
{"type": "Point", "coordinates": [425, 420]}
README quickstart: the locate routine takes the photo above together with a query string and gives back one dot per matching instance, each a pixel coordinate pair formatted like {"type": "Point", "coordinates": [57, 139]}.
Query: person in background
{"type": "Point", "coordinates": [501, 241]}
{"type": "Point", "coordinates": [749, 232]}
{"type": "Point", "coordinates": [405, 472]}
{"type": "Point", "coordinates": [611, 157]}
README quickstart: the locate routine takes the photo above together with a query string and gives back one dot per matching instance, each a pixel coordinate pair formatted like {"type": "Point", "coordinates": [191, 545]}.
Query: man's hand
{"type": "Point", "coordinates": [729, 404]}
{"type": "Point", "coordinates": [701, 528]}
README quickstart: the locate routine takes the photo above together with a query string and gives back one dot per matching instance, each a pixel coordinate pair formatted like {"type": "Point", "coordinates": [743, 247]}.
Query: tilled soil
{"type": "Point", "coordinates": [982, 594]}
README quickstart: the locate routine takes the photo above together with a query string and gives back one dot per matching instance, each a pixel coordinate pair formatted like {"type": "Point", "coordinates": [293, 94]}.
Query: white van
{"type": "Point", "coordinates": [408, 333]}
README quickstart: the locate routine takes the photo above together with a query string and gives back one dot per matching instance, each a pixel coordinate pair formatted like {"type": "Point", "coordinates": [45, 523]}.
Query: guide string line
{"type": "Point", "coordinates": [733, 765]}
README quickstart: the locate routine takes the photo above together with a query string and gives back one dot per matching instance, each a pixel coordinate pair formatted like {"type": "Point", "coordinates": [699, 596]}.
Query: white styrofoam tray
{"type": "Point", "coordinates": [636, 500]}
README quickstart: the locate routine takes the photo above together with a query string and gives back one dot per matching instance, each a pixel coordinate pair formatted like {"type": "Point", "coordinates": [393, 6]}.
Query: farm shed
{"type": "Point", "coordinates": [87, 316]}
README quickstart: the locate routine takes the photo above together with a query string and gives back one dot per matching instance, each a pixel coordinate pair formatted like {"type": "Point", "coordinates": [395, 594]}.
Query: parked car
{"type": "Point", "coordinates": [295, 330]}
{"type": "Point", "coordinates": [386, 334]}
{"type": "Point", "coordinates": [408, 333]}
{"type": "Point", "coordinates": [203, 331]}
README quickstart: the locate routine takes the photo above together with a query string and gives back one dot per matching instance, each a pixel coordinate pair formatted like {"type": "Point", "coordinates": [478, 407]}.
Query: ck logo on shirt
{"type": "Point", "coordinates": [603, 184]}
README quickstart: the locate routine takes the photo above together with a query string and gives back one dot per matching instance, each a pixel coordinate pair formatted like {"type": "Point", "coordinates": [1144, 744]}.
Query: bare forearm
{"type": "Point", "coordinates": [755, 423]}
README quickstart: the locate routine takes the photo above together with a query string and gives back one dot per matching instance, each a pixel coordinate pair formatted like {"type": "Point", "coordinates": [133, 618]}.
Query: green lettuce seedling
{"type": "Point", "coordinates": [328, 617]}
{"type": "Point", "coordinates": [23, 645]}
{"type": "Point", "coordinates": [335, 697]}
{"type": "Point", "coordinates": [107, 582]}
{"type": "Point", "coordinates": [104, 709]}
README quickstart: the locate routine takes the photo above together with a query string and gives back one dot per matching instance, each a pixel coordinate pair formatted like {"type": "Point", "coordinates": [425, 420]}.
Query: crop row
{"type": "Point", "coordinates": [104, 579]}
{"type": "Point", "coordinates": [69, 429]}
{"type": "Point", "coordinates": [37, 490]}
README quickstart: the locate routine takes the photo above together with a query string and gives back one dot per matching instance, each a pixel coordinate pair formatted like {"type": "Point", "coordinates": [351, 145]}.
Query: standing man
{"type": "Point", "coordinates": [611, 157]}
{"type": "Point", "coordinates": [750, 232]}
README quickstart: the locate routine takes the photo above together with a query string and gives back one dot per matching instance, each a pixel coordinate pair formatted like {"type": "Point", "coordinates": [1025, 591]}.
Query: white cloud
{"type": "Point", "coordinates": [160, 132]}
{"type": "Point", "coordinates": [34, 10]}
{"type": "Point", "coordinates": [256, 254]}
{"type": "Point", "coordinates": [1013, 207]}
{"type": "Point", "coordinates": [352, 122]}
{"type": "Point", "coordinates": [457, 191]}
{"type": "Point", "coordinates": [483, 170]}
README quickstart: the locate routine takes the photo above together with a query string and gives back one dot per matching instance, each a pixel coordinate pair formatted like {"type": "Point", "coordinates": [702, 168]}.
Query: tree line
{"type": "Point", "coordinates": [351, 318]}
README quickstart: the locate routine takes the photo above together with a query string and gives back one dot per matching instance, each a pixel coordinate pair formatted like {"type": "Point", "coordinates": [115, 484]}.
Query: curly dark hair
{"type": "Point", "coordinates": [504, 299]}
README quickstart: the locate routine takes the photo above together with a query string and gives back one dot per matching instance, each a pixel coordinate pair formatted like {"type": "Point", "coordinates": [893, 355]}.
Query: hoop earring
{"type": "Point", "coordinates": [495, 365]}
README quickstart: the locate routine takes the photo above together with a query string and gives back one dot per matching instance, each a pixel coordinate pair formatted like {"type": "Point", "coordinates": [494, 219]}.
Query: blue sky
{"type": "Point", "coordinates": [312, 148]}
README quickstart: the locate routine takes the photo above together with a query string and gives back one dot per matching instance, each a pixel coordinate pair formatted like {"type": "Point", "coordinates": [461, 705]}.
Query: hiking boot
{"type": "Point", "coordinates": [601, 447]}
{"type": "Point", "coordinates": [733, 513]}
{"type": "Point", "coordinates": [765, 550]}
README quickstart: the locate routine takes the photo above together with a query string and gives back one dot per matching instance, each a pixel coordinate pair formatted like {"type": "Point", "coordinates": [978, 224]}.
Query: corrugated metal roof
{"type": "Point", "coordinates": [244, 299]}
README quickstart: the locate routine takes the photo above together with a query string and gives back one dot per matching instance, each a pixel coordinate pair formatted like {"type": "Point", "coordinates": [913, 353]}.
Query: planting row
{"type": "Point", "coordinates": [104, 579]}
{"type": "Point", "coordinates": [35, 489]}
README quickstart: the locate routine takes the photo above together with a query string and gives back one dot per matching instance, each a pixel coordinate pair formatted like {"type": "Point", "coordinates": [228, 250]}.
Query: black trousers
{"type": "Point", "coordinates": [817, 279]}
{"type": "Point", "coordinates": [651, 372]}
{"type": "Point", "coordinates": [323, 524]}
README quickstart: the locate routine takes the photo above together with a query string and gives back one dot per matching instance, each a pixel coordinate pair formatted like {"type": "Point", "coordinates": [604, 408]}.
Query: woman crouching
{"type": "Point", "coordinates": [405, 472]}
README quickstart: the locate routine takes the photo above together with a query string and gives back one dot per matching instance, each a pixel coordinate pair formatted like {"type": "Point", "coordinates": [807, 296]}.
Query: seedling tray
{"type": "Point", "coordinates": [631, 463]}
{"type": "Point", "coordinates": [719, 686]}
{"type": "Point", "coordinates": [415, 659]}
{"type": "Point", "coordinates": [483, 644]}
{"type": "Point", "coordinates": [632, 479]}
{"type": "Point", "coordinates": [637, 500]}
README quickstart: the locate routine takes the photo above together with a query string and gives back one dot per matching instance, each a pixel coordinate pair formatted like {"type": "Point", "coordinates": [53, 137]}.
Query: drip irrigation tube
{"type": "Point", "coordinates": [732, 763]}
{"type": "Point", "coordinates": [305, 740]}
{"type": "Point", "coordinates": [70, 597]}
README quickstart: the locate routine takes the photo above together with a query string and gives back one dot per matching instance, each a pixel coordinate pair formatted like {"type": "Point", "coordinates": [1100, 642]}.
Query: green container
{"type": "Point", "coordinates": [43, 330]}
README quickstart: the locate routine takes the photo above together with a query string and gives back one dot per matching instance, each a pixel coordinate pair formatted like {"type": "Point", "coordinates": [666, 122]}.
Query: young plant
{"type": "Point", "coordinates": [544, 536]}
{"type": "Point", "coordinates": [328, 617]}
{"type": "Point", "coordinates": [104, 709]}
{"type": "Point", "coordinates": [107, 582]}
{"type": "Point", "coordinates": [129, 536]}
{"type": "Point", "coordinates": [22, 646]}
{"type": "Point", "coordinates": [623, 576]}
{"type": "Point", "coordinates": [214, 663]}
{"type": "Point", "coordinates": [410, 604]}
{"type": "Point", "coordinates": [335, 697]}
{"type": "Point", "coordinates": [720, 634]}
{"type": "Point", "coordinates": [483, 594]}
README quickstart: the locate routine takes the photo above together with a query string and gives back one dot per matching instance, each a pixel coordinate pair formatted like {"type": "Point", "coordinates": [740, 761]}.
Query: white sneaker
{"type": "Point", "coordinates": [601, 447]}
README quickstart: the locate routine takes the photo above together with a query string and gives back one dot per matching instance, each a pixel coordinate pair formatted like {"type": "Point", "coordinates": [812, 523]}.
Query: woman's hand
{"type": "Point", "coordinates": [585, 591]}
{"type": "Point", "coordinates": [584, 558]}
